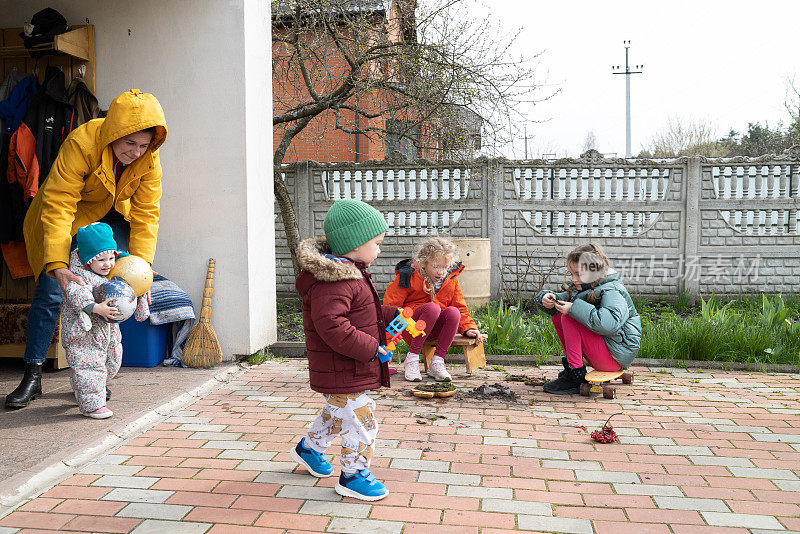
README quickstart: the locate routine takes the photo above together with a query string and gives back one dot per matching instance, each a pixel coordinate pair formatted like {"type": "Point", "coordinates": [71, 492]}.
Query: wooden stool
{"type": "Point", "coordinates": [473, 352]}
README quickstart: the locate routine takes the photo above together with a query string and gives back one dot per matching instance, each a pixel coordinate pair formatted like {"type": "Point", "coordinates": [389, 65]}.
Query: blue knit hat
{"type": "Point", "coordinates": [351, 223]}
{"type": "Point", "coordinates": [93, 240]}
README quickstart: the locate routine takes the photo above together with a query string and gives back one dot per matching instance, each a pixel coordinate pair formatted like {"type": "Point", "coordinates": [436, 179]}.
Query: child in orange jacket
{"type": "Point", "coordinates": [428, 284]}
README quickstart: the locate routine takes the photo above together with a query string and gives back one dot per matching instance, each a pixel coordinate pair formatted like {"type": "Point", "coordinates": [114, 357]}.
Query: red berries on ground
{"type": "Point", "coordinates": [605, 434]}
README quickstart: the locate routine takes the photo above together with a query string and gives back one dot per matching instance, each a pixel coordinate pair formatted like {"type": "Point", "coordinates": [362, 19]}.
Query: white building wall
{"type": "Point", "coordinates": [258, 145]}
{"type": "Point", "coordinates": [208, 64]}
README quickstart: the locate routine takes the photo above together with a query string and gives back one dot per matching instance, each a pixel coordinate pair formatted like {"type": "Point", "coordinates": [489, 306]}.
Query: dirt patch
{"type": "Point", "coordinates": [427, 418]}
{"type": "Point", "coordinates": [532, 381]}
{"type": "Point", "coordinates": [494, 391]}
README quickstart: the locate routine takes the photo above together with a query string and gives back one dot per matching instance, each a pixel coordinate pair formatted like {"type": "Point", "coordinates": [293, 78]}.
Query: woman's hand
{"type": "Point", "coordinates": [148, 295]}
{"type": "Point", "coordinates": [106, 311]}
{"type": "Point", "coordinates": [65, 276]}
{"type": "Point", "coordinates": [473, 332]}
{"type": "Point", "coordinates": [549, 300]}
{"type": "Point", "coordinates": [563, 306]}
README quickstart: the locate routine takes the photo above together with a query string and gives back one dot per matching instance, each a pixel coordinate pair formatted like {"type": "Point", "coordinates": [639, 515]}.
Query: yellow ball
{"type": "Point", "coordinates": [135, 271]}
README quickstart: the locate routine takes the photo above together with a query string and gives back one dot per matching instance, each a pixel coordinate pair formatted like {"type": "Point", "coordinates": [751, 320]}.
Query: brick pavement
{"type": "Point", "coordinates": [701, 452]}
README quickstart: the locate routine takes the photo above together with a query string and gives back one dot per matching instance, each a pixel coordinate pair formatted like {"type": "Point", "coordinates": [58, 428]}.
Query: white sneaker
{"type": "Point", "coordinates": [437, 371]}
{"type": "Point", "coordinates": [412, 370]}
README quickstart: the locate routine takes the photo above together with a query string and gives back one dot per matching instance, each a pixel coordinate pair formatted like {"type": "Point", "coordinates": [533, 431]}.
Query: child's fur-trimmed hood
{"type": "Point", "coordinates": [314, 255]}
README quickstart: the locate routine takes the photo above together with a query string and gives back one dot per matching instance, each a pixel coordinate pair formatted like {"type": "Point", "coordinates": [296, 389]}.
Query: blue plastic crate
{"type": "Point", "coordinates": [143, 344]}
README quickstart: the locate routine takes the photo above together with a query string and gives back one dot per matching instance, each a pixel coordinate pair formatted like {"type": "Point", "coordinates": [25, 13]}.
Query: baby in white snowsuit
{"type": "Point", "coordinates": [93, 345]}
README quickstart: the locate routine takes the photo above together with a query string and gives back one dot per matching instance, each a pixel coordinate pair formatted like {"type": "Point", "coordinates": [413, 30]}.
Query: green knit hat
{"type": "Point", "coordinates": [351, 223]}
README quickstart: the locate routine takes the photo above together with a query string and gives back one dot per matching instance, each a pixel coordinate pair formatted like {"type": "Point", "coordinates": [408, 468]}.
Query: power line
{"type": "Point", "coordinates": [627, 72]}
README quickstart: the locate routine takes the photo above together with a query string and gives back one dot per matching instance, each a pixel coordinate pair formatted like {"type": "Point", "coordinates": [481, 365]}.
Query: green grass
{"type": "Point", "coordinates": [290, 320]}
{"type": "Point", "coordinates": [694, 338]}
{"type": "Point", "coordinates": [682, 303]}
{"type": "Point", "coordinates": [512, 330]}
{"type": "Point", "coordinates": [753, 304]}
{"type": "Point", "coordinates": [257, 358]}
{"type": "Point", "coordinates": [751, 329]}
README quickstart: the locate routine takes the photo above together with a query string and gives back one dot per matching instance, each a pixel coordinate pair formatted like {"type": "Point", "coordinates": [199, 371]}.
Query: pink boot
{"type": "Point", "coordinates": [100, 413]}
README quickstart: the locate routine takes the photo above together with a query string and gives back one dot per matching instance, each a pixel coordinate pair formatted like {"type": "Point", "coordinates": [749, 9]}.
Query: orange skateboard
{"type": "Point", "coordinates": [598, 382]}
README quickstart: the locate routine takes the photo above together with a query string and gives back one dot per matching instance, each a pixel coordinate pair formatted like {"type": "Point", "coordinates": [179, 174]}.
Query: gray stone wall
{"type": "Point", "coordinates": [697, 225]}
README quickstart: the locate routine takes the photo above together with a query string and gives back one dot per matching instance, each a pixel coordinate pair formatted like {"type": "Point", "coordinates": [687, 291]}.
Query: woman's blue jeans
{"type": "Point", "coordinates": [47, 298]}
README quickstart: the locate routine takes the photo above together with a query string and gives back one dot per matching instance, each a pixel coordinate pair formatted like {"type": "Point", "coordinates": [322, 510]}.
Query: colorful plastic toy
{"type": "Point", "coordinates": [394, 332]}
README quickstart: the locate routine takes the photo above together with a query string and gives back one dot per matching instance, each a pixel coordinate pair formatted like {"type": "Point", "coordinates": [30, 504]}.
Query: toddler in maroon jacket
{"type": "Point", "coordinates": [345, 325]}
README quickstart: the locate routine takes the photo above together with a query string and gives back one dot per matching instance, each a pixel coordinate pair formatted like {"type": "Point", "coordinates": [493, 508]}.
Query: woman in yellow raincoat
{"type": "Point", "coordinates": [107, 170]}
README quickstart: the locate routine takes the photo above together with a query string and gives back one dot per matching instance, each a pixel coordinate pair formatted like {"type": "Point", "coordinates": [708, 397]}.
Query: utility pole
{"type": "Point", "coordinates": [627, 72]}
{"type": "Point", "coordinates": [526, 142]}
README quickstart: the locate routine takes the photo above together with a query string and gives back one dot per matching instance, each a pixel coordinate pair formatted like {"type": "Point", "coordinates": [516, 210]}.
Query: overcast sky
{"type": "Point", "coordinates": [725, 63]}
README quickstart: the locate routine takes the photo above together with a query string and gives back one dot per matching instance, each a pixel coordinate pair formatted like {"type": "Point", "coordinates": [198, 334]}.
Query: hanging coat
{"type": "Point", "coordinates": [13, 108]}
{"type": "Point", "coordinates": [34, 146]}
{"type": "Point", "coordinates": [83, 100]}
{"type": "Point", "coordinates": [8, 228]}
{"type": "Point", "coordinates": [81, 188]}
{"type": "Point", "coordinates": [9, 82]}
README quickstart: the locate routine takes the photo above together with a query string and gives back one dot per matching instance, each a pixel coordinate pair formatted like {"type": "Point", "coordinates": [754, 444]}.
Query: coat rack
{"type": "Point", "coordinates": [73, 52]}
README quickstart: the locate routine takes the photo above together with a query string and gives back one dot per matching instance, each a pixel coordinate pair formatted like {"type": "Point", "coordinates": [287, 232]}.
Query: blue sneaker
{"type": "Point", "coordinates": [315, 462]}
{"type": "Point", "coordinates": [362, 485]}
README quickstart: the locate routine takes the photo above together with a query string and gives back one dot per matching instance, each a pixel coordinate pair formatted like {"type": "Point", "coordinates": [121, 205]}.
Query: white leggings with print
{"type": "Point", "coordinates": [350, 416]}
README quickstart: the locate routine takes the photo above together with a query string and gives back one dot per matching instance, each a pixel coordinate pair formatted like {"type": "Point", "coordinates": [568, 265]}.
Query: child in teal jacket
{"type": "Point", "coordinates": [594, 317]}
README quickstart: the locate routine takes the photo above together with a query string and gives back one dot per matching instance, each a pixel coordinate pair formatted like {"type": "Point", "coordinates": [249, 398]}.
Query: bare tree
{"type": "Point", "coordinates": [409, 73]}
{"type": "Point", "coordinates": [590, 142]}
{"type": "Point", "coordinates": [792, 104]}
{"type": "Point", "coordinates": [680, 138]}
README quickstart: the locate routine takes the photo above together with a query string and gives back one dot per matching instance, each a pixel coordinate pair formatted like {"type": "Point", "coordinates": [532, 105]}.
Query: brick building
{"type": "Point", "coordinates": [332, 136]}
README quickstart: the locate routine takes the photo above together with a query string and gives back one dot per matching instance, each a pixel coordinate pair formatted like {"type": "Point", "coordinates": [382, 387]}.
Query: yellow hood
{"type": "Point", "coordinates": [131, 112]}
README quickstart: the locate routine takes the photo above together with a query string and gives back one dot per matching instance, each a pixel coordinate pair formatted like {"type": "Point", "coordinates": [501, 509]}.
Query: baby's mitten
{"type": "Point", "coordinates": [85, 320]}
{"type": "Point", "coordinates": [85, 317]}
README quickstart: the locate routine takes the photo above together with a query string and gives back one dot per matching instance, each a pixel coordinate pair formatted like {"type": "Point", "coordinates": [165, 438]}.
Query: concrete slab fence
{"type": "Point", "coordinates": [695, 225]}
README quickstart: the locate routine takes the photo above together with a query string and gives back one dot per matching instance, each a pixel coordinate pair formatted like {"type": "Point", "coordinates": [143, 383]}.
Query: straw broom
{"type": "Point", "coordinates": [202, 346]}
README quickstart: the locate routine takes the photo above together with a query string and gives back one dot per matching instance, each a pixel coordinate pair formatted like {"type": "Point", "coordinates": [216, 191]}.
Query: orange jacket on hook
{"type": "Point", "coordinates": [407, 291]}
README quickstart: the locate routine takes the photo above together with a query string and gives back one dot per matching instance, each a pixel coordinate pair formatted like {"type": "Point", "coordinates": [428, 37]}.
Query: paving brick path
{"type": "Point", "coordinates": [700, 452]}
